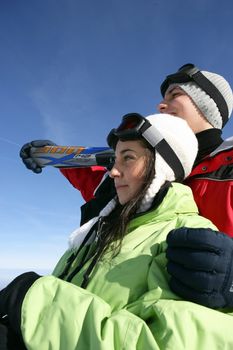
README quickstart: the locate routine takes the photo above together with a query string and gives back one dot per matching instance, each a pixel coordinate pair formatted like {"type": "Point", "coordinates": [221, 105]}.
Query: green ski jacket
{"type": "Point", "coordinates": [127, 303]}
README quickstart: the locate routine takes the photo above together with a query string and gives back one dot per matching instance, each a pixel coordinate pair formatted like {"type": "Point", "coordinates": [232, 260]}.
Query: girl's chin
{"type": "Point", "coordinates": [123, 200]}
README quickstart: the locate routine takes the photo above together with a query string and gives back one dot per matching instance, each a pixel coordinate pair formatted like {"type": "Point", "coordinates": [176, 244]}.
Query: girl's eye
{"type": "Point", "coordinates": [128, 157]}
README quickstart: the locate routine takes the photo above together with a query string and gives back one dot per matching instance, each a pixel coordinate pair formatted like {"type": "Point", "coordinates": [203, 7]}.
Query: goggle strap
{"type": "Point", "coordinates": [156, 140]}
{"type": "Point", "coordinates": [152, 135]}
{"type": "Point", "coordinates": [214, 93]}
{"type": "Point", "coordinates": [170, 157]}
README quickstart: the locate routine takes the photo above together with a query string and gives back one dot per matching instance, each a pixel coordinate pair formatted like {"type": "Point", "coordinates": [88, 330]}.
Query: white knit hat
{"type": "Point", "coordinates": [182, 141]}
{"type": "Point", "coordinates": [204, 102]}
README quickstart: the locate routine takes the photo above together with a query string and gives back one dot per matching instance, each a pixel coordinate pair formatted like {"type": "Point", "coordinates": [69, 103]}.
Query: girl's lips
{"type": "Point", "coordinates": [119, 187]}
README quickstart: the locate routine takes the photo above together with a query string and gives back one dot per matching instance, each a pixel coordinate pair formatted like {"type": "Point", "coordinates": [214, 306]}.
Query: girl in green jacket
{"type": "Point", "coordinates": [110, 289]}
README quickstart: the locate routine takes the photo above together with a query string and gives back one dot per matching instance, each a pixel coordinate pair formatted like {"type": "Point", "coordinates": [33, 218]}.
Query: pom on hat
{"type": "Point", "coordinates": [204, 102]}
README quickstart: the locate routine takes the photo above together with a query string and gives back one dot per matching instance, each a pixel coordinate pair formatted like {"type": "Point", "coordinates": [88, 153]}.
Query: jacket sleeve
{"type": "Point", "coordinates": [59, 315]}
{"type": "Point", "coordinates": [86, 180]}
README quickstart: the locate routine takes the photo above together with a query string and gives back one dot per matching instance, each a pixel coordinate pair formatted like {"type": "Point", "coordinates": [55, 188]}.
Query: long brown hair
{"type": "Point", "coordinates": [114, 226]}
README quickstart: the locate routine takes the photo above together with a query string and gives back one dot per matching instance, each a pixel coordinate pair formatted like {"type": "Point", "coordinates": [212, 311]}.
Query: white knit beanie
{"type": "Point", "coordinates": [204, 102]}
{"type": "Point", "coordinates": [182, 140]}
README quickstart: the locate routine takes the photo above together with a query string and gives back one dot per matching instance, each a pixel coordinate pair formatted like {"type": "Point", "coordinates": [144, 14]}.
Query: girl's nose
{"type": "Point", "coordinates": [114, 172]}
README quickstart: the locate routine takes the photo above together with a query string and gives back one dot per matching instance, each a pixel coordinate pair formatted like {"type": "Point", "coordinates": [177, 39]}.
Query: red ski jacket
{"type": "Point", "coordinates": [211, 182]}
{"type": "Point", "coordinates": [86, 180]}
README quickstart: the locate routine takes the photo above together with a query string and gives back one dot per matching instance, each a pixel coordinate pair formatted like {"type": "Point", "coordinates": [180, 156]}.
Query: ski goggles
{"type": "Point", "coordinates": [189, 72]}
{"type": "Point", "coordinates": [133, 127]}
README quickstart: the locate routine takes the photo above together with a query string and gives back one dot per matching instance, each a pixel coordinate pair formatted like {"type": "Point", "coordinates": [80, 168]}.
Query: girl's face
{"type": "Point", "coordinates": [128, 171]}
{"type": "Point", "coordinates": [176, 102]}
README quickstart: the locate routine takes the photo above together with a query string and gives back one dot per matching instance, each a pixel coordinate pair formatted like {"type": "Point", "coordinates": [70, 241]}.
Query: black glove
{"type": "Point", "coordinates": [25, 154]}
{"type": "Point", "coordinates": [200, 262]}
{"type": "Point", "coordinates": [11, 299]}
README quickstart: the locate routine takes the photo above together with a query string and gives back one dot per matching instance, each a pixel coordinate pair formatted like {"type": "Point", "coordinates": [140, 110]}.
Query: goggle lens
{"type": "Point", "coordinates": [183, 75]}
{"type": "Point", "coordinates": [131, 128]}
{"type": "Point", "coordinates": [130, 122]}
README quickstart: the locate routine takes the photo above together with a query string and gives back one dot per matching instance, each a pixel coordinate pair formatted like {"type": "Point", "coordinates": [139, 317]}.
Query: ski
{"type": "Point", "coordinates": [72, 156]}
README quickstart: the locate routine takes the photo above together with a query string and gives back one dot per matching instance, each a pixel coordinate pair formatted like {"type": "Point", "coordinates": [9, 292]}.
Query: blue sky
{"type": "Point", "coordinates": [69, 70]}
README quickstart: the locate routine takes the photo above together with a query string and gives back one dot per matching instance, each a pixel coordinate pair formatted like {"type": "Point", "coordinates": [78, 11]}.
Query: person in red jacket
{"type": "Point", "coordinates": [204, 99]}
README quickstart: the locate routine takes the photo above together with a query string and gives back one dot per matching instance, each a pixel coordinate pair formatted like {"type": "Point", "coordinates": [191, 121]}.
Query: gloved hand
{"type": "Point", "coordinates": [25, 154]}
{"type": "Point", "coordinates": [11, 299]}
{"type": "Point", "coordinates": [200, 262]}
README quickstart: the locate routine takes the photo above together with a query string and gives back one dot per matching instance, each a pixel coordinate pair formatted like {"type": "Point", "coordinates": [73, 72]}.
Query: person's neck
{"type": "Point", "coordinates": [208, 141]}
